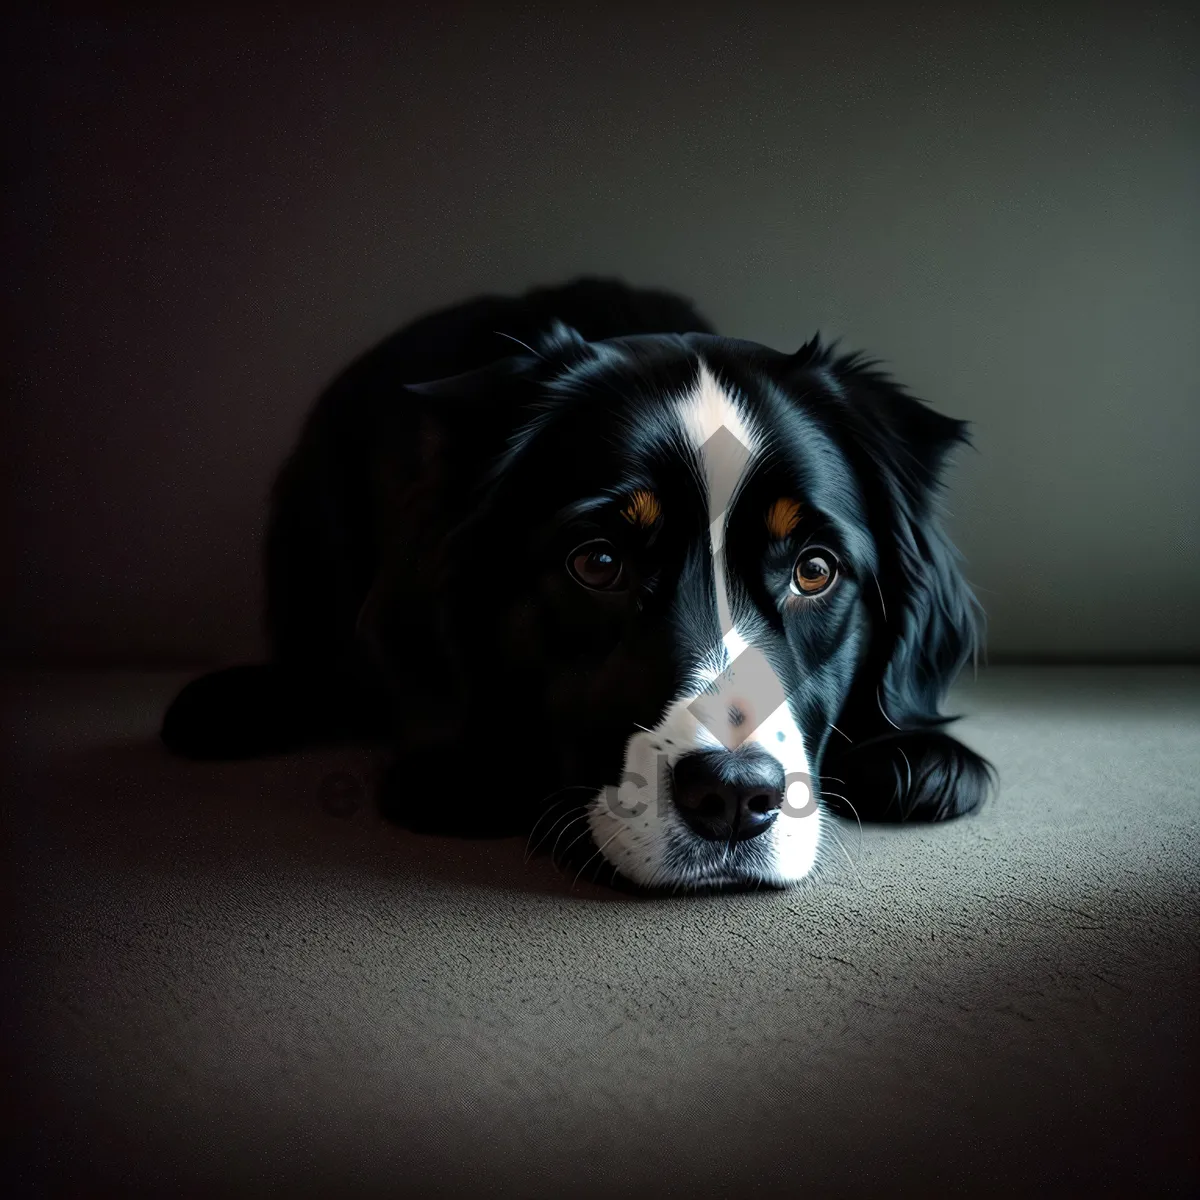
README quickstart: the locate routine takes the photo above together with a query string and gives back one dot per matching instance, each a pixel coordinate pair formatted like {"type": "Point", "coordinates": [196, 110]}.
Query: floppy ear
{"type": "Point", "coordinates": [896, 759]}
{"type": "Point", "coordinates": [563, 342]}
{"type": "Point", "coordinates": [447, 442]}
{"type": "Point", "coordinates": [468, 427]}
{"type": "Point", "coordinates": [439, 437]}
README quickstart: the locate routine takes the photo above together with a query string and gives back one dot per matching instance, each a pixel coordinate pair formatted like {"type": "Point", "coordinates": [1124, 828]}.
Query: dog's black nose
{"type": "Point", "coordinates": [728, 795]}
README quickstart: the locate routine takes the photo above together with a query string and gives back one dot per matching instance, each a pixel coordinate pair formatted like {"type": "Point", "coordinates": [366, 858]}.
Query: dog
{"type": "Point", "coordinates": [604, 577]}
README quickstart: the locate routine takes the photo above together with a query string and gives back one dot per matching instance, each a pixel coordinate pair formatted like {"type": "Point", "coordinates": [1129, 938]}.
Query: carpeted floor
{"type": "Point", "coordinates": [234, 979]}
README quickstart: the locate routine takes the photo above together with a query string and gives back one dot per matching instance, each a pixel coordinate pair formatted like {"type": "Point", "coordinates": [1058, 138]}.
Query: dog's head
{"type": "Point", "coordinates": [700, 582]}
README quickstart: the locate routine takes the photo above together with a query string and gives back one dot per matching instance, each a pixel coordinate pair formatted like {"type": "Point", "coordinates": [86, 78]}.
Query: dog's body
{"type": "Point", "coordinates": [594, 568]}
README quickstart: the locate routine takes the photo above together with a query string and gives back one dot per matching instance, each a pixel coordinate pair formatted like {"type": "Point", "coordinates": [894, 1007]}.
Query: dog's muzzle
{"type": "Point", "coordinates": [728, 795]}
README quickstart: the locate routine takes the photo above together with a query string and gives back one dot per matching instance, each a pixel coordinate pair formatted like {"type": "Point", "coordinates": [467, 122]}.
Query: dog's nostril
{"type": "Point", "coordinates": [761, 804]}
{"type": "Point", "coordinates": [711, 805]}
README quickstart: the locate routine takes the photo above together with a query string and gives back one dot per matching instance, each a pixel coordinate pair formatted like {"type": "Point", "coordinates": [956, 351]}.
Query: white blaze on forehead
{"type": "Point", "coordinates": [707, 408]}
{"type": "Point", "coordinates": [726, 443]}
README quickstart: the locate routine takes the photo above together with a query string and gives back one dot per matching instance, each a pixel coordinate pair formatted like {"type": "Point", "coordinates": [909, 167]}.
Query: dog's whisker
{"type": "Point", "coordinates": [908, 768]}
{"type": "Point", "coordinates": [599, 850]}
{"type": "Point", "coordinates": [845, 735]}
{"type": "Point", "coordinates": [526, 345]}
{"type": "Point", "coordinates": [879, 701]}
{"type": "Point", "coordinates": [854, 810]}
{"type": "Point", "coordinates": [846, 853]}
{"type": "Point", "coordinates": [574, 821]}
{"type": "Point", "coordinates": [550, 796]}
{"type": "Point", "coordinates": [531, 850]}
{"type": "Point", "coordinates": [547, 812]}
{"type": "Point", "coordinates": [561, 861]}
{"type": "Point", "coordinates": [880, 591]}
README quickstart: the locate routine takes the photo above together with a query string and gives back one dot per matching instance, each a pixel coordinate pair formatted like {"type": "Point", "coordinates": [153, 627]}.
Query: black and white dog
{"type": "Point", "coordinates": [603, 574]}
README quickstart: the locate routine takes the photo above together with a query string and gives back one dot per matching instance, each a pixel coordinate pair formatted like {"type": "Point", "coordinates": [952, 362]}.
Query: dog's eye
{"type": "Point", "coordinates": [597, 566]}
{"type": "Point", "coordinates": [815, 571]}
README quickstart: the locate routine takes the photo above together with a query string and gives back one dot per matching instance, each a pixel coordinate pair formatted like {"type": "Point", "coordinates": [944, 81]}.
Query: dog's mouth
{"type": "Point", "coordinates": [685, 863]}
{"type": "Point", "coordinates": [704, 874]}
{"type": "Point", "coordinates": [657, 851]}
{"type": "Point", "coordinates": [699, 865]}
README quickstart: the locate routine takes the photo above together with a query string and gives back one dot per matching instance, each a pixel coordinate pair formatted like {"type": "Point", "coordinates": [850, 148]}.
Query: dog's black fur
{"type": "Point", "coordinates": [415, 588]}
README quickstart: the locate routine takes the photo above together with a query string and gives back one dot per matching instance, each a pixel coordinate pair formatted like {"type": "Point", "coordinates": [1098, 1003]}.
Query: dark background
{"type": "Point", "coordinates": [208, 213]}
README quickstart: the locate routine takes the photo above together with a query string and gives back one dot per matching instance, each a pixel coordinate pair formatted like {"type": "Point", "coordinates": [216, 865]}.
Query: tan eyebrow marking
{"type": "Point", "coordinates": [783, 516]}
{"type": "Point", "coordinates": [642, 509]}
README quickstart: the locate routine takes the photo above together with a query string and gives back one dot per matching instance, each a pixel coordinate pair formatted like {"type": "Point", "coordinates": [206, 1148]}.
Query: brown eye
{"type": "Point", "coordinates": [597, 566]}
{"type": "Point", "coordinates": [815, 572]}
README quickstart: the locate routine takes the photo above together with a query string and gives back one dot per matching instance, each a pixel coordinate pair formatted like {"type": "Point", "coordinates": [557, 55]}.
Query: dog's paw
{"type": "Point", "coordinates": [234, 713]}
{"type": "Point", "coordinates": [914, 775]}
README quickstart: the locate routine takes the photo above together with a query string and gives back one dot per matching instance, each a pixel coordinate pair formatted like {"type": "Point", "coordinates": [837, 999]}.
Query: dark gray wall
{"type": "Point", "coordinates": [212, 214]}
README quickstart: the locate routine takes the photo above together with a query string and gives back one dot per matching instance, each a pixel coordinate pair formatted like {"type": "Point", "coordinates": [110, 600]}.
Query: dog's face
{"type": "Point", "coordinates": [687, 569]}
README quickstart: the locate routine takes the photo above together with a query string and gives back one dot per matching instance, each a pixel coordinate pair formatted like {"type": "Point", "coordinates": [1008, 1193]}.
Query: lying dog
{"type": "Point", "coordinates": [603, 574]}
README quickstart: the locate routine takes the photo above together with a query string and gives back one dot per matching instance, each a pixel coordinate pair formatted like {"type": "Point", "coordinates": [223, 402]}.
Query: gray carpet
{"type": "Point", "coordinates": [233, 978]}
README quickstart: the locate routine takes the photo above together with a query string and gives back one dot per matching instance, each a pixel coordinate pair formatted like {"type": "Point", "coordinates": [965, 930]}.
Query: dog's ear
{"type": "Point", "coordinates": [556, 347]}
{"type": "Point", "coordinates": [479, 382]}
{"type": "Point", "coordinates": [896, 758]}
{"type": "Point", "coordinates": [455, 435]}
{"type": "Point", "coordinates": [486, 399]}
{"type": "Point", "coordinates": [564, 343]}
{"type": "Point", "coordinates": [440, 437]}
